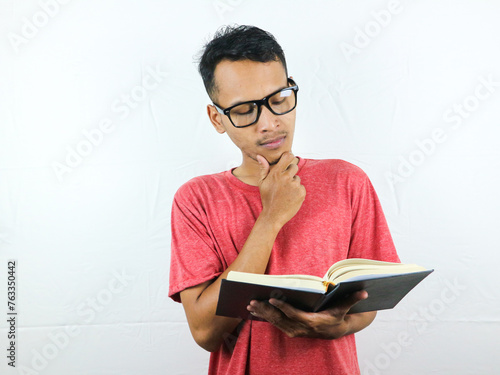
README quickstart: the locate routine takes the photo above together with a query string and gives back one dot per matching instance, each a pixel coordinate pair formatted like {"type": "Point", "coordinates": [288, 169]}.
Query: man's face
{"type": "Point", "coordinates": [240, 81]}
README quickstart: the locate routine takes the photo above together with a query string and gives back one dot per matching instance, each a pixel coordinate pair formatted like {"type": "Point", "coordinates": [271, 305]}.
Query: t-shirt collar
{"type": "Point", "coordinates": [240, 184]}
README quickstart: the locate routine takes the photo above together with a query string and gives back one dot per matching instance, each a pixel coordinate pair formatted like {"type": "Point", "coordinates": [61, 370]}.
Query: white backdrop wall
{"type": "Point", "coordinates": [102, 118]}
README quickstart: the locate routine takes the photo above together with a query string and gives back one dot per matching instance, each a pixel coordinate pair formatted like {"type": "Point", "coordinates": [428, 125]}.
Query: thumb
{"type": "Point", "coordinates": [353, 299]}
{"type": "Point", "coordinates": [264, 167]}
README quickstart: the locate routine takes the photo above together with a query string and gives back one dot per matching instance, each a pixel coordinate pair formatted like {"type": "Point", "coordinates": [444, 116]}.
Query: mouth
{"type": "Point", "coordinates": [274, 143]}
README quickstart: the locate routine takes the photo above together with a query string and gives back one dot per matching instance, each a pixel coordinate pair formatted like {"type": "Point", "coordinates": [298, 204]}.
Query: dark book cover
{"type": "Point", "coordinates": [384, 292]}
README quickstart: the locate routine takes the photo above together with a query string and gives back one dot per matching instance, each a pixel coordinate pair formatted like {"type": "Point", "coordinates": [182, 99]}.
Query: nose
{"type": "Point", "coordinates": [268, 121]}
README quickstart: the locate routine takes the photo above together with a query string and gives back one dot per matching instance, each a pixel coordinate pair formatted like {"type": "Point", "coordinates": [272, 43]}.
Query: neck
{"type": "Point", "coordinates": [250, 175]}
{"type": "Point", "coordinates": [249, 171]}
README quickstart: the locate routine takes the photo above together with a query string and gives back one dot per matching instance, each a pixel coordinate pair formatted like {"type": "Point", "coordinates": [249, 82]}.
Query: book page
{"type": "Point", "coordinates": [382, 270]}
{"type": "Point", "coordinates": [355, 262]}
{"type": "Point", "coordinates": [285, 281]}
{"type": "Point", "coordinates": [347, 265]}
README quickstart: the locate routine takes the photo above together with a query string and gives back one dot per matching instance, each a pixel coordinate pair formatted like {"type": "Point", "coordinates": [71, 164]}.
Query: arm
{"type": "Point", "coordinates": [370, 239]}
{"type": "Point", "coordinates": [282, 196]}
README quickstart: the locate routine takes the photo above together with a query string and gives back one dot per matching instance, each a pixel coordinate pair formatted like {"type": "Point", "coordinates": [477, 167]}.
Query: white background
{"type": "Point", "coordinates": [408, 104]}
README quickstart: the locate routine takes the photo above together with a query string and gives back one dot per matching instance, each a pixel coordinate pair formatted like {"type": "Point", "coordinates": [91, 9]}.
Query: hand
{"type": "Point", "coordinates": [281, 192]}
{"type": "Point", "coordinates": [332, 323]}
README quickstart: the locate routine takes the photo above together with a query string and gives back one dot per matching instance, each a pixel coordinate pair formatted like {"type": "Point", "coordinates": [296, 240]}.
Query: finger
{"type": "Point", "coordinates": [264, 167]}
{"type": "Point", "coordinates": [291, 170]}
{"type": "Point", "coordinates": [295, 161]}
{"type": "Point", "coordinates": [292, 328]}
{"type": "Point", "coordinates": [296, 179]}
{"type": "Point", "coordinates": [296, 182]}
{"type": "Point", "coordinates": [285, 160]}
{"type": "Point", "coordinates": [265, 311]}
{"type": "Point", "coordinates": [289, 310]}
{"type": "Point", "coordinates": [293, 167]}
{"type": "Point", "coordinates": [259, 307]}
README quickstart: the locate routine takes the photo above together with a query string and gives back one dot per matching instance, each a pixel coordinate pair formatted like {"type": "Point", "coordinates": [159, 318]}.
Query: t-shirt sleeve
{"type": "Point", "coordinates": [194, 259]}
{"type": "Point", "coordinates": [370, 235]}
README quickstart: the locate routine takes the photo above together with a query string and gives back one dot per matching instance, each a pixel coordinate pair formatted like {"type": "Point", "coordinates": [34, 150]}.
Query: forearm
{"type": "Point", "coordinates": [200, 303]}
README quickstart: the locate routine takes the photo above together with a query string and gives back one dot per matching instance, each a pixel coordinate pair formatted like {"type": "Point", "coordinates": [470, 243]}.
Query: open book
{"type": "Point", "coordinates": [386, 283]}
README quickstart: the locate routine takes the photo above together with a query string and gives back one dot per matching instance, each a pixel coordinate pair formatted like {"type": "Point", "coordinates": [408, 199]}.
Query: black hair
{"type": "Point", "coordinates": [236, 43]}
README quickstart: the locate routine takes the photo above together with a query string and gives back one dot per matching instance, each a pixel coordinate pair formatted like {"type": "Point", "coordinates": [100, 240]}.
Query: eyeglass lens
{"type": "Point", "coordinates": [246, 113]}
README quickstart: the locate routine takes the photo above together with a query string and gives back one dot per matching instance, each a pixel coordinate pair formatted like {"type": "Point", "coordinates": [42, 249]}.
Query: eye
{"type": "Point", "coordinates": [243, 110]}
{"type": "Point", "coordinates": [280, 97]}
{"type": "Point", "coordinates": [278, 101]}
{"type": "Point", "coordinates": [241, 113]}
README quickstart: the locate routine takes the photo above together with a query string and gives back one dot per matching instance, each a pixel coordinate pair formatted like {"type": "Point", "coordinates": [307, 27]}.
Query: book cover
{"type": "Point", "coordinates": [384, 292]}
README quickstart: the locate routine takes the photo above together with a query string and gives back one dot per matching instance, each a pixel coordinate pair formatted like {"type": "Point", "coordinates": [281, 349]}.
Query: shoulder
{"type": "Point", "coordinates": [201, 186]}
{"type": "Point", "coordinates": [336, 169]}
{"type": "Point", "coordinates": [204, 181]}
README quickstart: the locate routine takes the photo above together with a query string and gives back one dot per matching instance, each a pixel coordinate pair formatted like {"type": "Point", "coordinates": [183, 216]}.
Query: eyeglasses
{"type": "Point", "coordinates": [279, 102]}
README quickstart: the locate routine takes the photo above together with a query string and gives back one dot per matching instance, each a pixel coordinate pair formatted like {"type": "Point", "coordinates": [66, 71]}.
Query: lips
{"type": "Point", "coordinates": [273, 143]}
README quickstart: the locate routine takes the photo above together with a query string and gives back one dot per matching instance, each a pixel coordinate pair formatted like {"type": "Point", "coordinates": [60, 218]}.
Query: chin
{"type": "Point", "coordinates": [275, 157]}
{"type": "Point", "coordinates": [273, 162]}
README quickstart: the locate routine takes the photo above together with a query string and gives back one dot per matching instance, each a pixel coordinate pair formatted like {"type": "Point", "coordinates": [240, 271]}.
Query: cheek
{"type": "Point", "coordinates": [291, 120]}
{"type": "Point", "coordinates": [239, 140]}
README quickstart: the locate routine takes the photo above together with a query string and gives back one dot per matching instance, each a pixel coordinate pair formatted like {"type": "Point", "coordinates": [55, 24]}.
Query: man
{"type": "Point", "coordinates": [275, 213]}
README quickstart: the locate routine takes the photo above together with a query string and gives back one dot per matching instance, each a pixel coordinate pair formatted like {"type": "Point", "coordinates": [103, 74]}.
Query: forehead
{"type": "Point", "coordinates": [238, 81]}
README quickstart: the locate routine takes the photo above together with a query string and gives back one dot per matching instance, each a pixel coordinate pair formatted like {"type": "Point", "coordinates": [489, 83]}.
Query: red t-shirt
{"type": "Point", "coordinates": [340, 218]}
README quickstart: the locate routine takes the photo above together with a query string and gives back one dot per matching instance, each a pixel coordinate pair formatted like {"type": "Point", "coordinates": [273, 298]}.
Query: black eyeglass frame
{"type": "Point", "coordinates": [260, 103]}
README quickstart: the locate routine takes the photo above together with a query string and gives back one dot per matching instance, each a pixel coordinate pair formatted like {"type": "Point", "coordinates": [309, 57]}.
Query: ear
{"type": "Point", "coordinates": [216, 119]}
